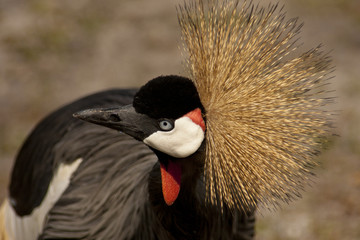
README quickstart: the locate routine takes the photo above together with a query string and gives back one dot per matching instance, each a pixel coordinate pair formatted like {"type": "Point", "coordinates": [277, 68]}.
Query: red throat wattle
{"type": "Point", "coordinates": [170, 179]}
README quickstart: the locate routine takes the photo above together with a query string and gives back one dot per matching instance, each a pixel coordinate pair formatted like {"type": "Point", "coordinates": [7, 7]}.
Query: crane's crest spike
{"type": "Point", "coordinates": [263, 101]}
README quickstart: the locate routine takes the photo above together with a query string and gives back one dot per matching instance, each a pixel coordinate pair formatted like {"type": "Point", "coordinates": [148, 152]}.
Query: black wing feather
{"type": "Point", "coordinates": [35, 163]}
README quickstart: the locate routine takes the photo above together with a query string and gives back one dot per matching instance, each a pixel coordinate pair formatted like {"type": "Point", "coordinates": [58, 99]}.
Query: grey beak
{"type": "Point", "coordinates": [124, 119]}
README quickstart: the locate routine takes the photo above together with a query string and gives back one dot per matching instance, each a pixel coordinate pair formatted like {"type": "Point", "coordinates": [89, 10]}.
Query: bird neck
{"type": "Point", "coordinates": [192, 168]}
{"type": "Point", "coordinates": [184, 211]}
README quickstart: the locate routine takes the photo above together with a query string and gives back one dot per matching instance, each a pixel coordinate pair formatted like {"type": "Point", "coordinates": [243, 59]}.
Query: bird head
{"type": "Point", "coordinates": [166, 115]}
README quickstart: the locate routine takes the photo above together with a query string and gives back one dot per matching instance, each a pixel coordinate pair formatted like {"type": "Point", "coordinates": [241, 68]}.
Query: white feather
{"type": "Point", "coordinates": [29, 227]}
{"type": "Point", "coordinates": [182, 141]}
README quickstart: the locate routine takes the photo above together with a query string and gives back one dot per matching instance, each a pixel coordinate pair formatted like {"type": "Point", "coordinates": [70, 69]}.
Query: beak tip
{"type": "Point", "coordinates": [81, 114]}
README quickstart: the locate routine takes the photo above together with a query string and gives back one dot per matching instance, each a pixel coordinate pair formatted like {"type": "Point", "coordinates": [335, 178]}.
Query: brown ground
{"type": "Point", "coordinates": [52, 52]}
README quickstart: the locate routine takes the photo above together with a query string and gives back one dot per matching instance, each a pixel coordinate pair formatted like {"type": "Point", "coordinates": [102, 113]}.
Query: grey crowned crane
{"type": "Point", "coordinates": [180, 158]}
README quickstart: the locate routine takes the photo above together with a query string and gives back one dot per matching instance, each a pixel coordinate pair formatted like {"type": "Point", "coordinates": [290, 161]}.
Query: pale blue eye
{"type": "Point", "coordinates": [166, 125]}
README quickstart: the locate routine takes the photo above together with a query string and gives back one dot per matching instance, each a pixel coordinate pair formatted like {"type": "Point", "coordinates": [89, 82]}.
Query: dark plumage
{"type": "Point", "coordinates": [170, 97]}
{"type": "Point", "coordinates": [116, 191]}
{"type": "Point", "coordinates": [38, 158]}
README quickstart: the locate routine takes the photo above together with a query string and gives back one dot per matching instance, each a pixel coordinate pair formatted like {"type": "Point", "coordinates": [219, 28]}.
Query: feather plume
{"type": "Point", "coordinates": [264, 101]}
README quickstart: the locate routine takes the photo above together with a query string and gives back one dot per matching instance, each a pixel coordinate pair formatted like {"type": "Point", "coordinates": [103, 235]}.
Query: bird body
{"type": "Point", "coordinates": [181, 158]}
{"type": "Point", "coordinates": [114, 190]}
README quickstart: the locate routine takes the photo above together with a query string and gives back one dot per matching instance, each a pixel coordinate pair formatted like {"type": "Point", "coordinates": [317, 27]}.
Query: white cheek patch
{"type": "Point", "coordinates": [182, 141]}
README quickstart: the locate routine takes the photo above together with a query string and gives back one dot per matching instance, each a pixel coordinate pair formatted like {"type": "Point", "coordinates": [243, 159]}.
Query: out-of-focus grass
{"type": "Point", "coordinates": [53, 52]}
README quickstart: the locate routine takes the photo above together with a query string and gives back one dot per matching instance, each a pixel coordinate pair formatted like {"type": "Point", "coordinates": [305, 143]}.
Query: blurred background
{"type": "Point", "coordinates": [53, 52]}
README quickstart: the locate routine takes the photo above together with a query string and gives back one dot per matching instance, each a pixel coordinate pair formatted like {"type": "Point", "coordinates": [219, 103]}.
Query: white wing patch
{"type": "Point", "coordinates": [182, 141]}
{"type": "Point", "coordinates": [29, 227]}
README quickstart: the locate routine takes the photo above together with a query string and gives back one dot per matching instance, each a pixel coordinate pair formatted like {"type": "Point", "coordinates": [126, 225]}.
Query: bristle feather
{"type": "Point", "coordinates": [264, 103]}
